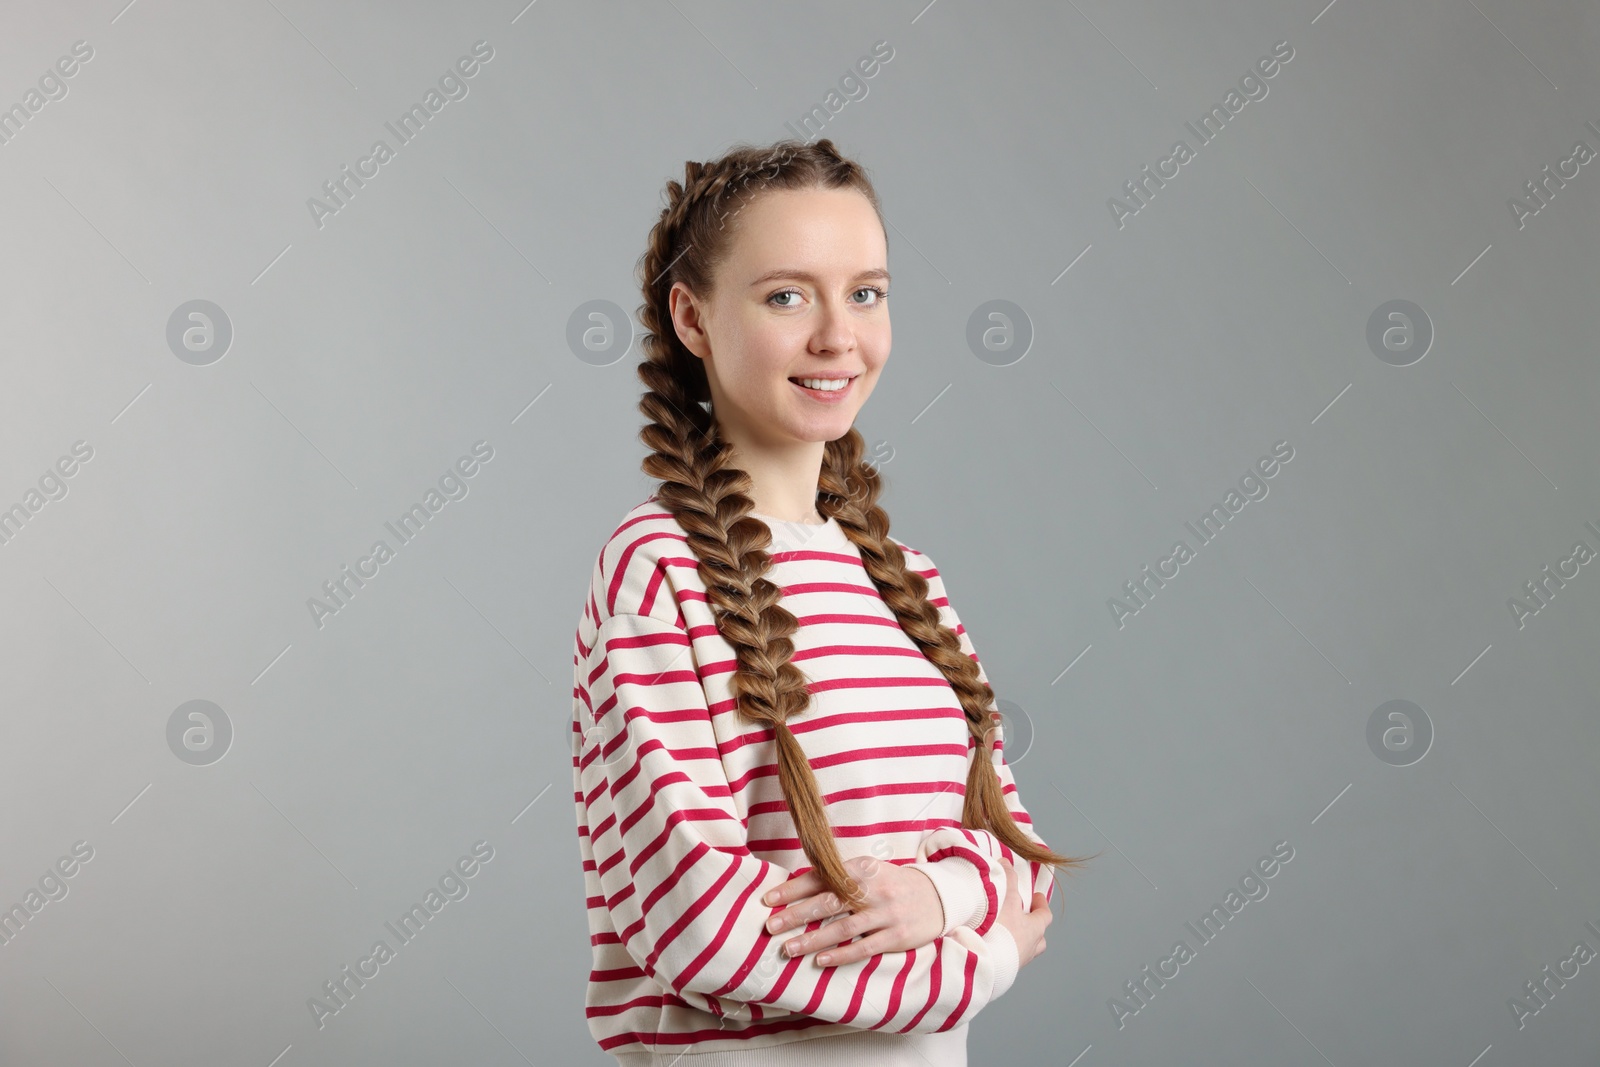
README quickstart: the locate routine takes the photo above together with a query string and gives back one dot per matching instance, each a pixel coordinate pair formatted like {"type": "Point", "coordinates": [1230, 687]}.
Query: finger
{"type": "Point", "coordinates": [796, 888]}
{"type": "Point", "coordinates": [857, 950]}
{"type": "Point", "coordinates": [803, 911]}
{"type": "Point", "coordinates": [827, 935]}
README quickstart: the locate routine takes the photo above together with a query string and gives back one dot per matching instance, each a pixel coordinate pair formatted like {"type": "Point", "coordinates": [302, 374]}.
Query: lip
{"type": "Point", "coordinates": [817, 395]}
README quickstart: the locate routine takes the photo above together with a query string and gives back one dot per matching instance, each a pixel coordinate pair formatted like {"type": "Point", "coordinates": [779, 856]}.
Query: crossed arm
{"type": "Point", "coordinates": [681, 885]}
{"type": "Point", "coordinates": [684, 891]}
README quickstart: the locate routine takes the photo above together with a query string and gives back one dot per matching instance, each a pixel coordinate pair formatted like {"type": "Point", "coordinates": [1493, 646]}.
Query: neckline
{"type": "Point", "coordinates": [769, 519]}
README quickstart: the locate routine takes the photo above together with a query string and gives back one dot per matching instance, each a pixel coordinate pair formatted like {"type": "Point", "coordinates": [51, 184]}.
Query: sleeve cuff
{"type": "Point", "coordinates": [1004, 956]}
{"type": "Point", "coordinates": [961, 894]}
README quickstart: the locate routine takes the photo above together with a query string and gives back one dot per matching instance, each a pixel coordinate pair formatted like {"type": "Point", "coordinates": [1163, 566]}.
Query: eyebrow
{"type": "Point", "coordinates": [788, 272]}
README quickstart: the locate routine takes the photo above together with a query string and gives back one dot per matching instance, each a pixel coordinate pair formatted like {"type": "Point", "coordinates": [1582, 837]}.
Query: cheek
{"type": "Point", "coordinates": [875, 348]}
{"type": "Point", "coordinates": [763, 355]}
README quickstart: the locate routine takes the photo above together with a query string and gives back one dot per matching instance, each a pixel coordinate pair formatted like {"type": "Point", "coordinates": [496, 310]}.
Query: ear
{"type": "Point", "coordinates": [688, 320]}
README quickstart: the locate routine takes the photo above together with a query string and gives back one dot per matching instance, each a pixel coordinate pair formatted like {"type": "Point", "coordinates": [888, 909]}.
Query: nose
{"type": "Point", "coordinates": [833, 330]}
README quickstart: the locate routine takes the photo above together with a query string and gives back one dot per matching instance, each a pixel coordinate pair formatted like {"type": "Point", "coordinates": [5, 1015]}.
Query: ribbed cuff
{"type": "Point", "coordinates": [961, 893]}
{"type": "Point", "coordinates": [1005, 959]}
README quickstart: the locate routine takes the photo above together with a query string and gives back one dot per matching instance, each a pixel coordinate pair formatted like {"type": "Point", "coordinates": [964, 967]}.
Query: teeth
{"type": "Point", "coordinates": [824, 384]}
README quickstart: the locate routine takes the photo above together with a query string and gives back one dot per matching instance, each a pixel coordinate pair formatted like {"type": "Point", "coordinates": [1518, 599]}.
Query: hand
{"type": "Point", "coordinates": [1026, 927]}
{"type": "Point", "coordinates": [903, 912]}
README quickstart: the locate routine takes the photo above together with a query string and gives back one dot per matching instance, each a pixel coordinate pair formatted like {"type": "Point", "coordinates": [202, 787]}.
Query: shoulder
{"type": "Point", "coordinates": [922, 564]}
{"type": "Point", "coordinates": [640, 567]}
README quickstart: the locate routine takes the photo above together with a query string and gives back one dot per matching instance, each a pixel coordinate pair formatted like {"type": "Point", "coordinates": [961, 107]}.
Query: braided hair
{"type": "Point", "coordinates": [710, 498]}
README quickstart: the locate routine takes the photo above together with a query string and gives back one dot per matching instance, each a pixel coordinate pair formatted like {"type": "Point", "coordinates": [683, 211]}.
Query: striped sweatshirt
{"type": "Point", "coordinates": [682, 824]}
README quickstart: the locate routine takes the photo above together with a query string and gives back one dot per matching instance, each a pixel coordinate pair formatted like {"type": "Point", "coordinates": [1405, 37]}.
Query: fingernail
{"type": "Point", "coordinates": [770, 898]}
{"type": "Point", "coordinates": [824, 958]}
{"type": "Point", "coordinates": [775, 924]}
{"type": "Point", "coordinates": [792, 948]}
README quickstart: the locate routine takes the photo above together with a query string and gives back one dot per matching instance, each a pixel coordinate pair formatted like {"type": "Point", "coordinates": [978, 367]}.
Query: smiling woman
{"type": "Point", "coordinates": [724, 795]}
{"type": "Point", "coordinates": [772, 346]}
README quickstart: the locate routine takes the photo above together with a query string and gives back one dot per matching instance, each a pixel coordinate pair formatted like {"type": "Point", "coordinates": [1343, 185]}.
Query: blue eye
{"type": "Point", "coordinates": [881, 296]}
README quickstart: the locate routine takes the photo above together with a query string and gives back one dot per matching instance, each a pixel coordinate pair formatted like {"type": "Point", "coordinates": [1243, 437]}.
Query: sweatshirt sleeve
{"type": "Point", "coordinates": [964, 866]}
{"type": "Point", "coordinates": [683, 889]}
{"type": "Point", "coordinates": [1040, 877]}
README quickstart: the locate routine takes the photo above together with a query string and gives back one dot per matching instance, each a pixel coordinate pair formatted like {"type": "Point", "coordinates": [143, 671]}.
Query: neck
{"type": "Point", "coordinates": [784, 479]}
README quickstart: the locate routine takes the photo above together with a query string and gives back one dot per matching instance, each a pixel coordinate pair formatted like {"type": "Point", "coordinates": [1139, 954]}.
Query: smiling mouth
{"type": "Point", "coordinates": [802, 378]}
{"type": "Point", "coordinates": [826, 395]}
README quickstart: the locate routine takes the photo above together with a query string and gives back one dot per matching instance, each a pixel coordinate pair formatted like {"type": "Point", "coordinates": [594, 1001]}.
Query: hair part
{"type": "Point", "coordinates": [710, 498]}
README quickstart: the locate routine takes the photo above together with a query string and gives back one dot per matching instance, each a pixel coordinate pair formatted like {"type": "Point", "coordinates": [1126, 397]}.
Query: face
{"type": "Point", "coordinates": [801, 295]}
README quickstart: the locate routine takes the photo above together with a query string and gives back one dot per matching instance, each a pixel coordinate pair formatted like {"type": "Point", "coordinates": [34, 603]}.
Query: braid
{"type": "Point", "coordinates": [710, 497]}
{"type": "Point", "coordinates": [850, 490]}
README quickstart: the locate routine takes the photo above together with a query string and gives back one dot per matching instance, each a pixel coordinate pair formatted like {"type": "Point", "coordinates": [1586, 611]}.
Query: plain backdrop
{"type": "Point", "coordinates": [1375, 275]}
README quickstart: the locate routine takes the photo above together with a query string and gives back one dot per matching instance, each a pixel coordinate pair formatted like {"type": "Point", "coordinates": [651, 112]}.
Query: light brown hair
{"type": "Point", "coordinates": [710, 498]}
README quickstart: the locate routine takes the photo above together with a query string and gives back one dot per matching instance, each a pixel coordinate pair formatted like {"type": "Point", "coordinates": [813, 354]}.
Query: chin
{"type": "Point", "coordinates": [828, 429]}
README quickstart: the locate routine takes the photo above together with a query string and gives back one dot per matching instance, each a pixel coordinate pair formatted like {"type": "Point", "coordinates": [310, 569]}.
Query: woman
{"type": "Point", "coordinates": [782, 735]}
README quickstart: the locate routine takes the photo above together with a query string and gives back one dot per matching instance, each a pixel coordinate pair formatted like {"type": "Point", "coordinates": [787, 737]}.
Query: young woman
{"type": "Point", "coordinates": [783, 741]}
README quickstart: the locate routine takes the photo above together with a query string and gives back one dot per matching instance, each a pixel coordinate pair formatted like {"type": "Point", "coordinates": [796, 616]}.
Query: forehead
{"type": "Point", "coordinates": [820, 231]}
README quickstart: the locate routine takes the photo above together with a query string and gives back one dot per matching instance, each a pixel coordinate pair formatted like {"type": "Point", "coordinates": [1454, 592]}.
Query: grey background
{"type": "Point", "coordinates": [433, 310]}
